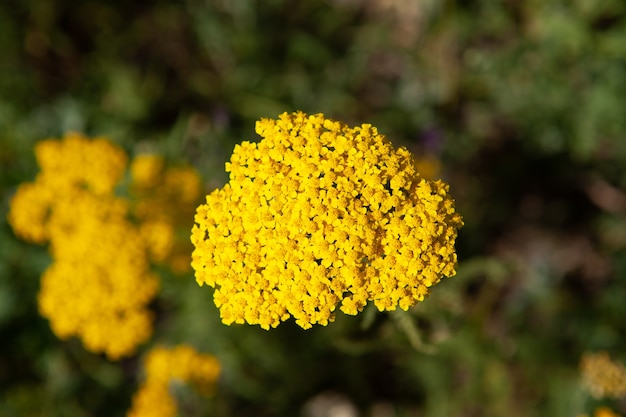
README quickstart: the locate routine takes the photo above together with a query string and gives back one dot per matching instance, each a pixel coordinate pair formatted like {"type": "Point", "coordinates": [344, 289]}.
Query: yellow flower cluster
{"type": "Point", "coordinates": [165, 199]}
{"type": "Point", "coordinates": [602, 376]}
{"type": "Point", "coordinates": [100, 283]}
{"type": "Point", "coordinates": [67, 167]}
{"type": "Point", "coordinates": [319, 215]}
{"type": "Point", "coordinates": [182, 364]}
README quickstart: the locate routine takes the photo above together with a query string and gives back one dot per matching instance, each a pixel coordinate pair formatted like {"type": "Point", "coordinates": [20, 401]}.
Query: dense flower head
{"type": "Point", "coordinates": [603, 376]}
{"type": "Point", "coordinates": [164, 366]}
{"type": "Point", "coordinates": [100, 283]}
{"type": "Point", "coordinates": [319, 215]}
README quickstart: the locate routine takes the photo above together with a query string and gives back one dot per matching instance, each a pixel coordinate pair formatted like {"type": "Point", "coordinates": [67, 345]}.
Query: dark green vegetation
{"type": "Point", "coordinates": [523, 103]}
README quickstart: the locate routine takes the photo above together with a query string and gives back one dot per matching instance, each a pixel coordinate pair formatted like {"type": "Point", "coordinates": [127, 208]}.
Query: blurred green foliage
{"type": "Point", "coordinates": [524, 104]}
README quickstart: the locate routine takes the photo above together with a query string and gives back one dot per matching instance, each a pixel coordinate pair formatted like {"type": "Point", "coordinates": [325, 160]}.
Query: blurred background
{"type": "Point", "coordinates": [519, 105]}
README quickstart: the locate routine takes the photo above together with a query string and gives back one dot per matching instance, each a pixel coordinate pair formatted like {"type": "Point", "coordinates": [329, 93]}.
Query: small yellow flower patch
{"type": "Point", "coordinates": [163, 366]}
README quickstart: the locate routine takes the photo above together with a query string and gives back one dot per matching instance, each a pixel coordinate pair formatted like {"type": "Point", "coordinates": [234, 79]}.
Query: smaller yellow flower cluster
{"type": "Point", "coordinates": [603, 376]}
{"type": "Point", "coordinates": [182, 364]}
{"type": "Point", "coordinates": [100, 283]}
{"type": "Point", "coordinates": [319, 215]}
{"type": "Point", "coordinates": [165, 199]}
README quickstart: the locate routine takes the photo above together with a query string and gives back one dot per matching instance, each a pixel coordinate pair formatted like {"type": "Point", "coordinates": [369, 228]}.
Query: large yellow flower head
{"type": "Point", "coordinates": [319, 215]}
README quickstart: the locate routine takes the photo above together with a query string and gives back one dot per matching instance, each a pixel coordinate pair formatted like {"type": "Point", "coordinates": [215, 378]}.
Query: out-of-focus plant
{"type": "Point", "coordinates": [99, 284]}
{"type": "Point", "coordinates": [165, 368]}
